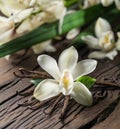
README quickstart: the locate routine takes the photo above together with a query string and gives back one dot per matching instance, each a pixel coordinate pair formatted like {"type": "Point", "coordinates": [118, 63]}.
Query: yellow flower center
{"type": "Point", "coordinates": [66, 80]}
{"type": "Point", "coordinates": [106, 39]}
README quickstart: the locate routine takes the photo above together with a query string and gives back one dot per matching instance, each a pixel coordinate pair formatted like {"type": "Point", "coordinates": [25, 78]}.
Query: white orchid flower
{"type": "Point", "coordinates": [109, 2]}
{"type": "Point", "coordinates": [65, 74]}
{"type": "Point", "coordinates": [104, 41]}
{"type": "Point", "coordinates": [6, 30]}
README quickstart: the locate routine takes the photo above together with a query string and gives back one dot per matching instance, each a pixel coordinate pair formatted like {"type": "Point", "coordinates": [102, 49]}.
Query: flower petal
{"type": "Point", "coordinates": [101, 26]}
{"type": "Point", "coordinates": [68, 59]}
{"type": "Point", "coordinates": [49, 64]}
{"type": "Point", "coordinates": [81, 94]}
{"type": "Point", "coordinates": [84, 67]}
{"type": "Point", "coordinates": [117, 3]}
{"type": "Point", "coordinates": [106, 2]}
{"type": "Point", "coordinates": [101, 55]}
{"type": "Point", "coordinates": [46, 89]}
{"type": "Point", "coordinates": [72, 33]}
{"type": "Point", "coordinates": [18, 17]}
{"type": "Point", "coordinates": [112, 54]}
{"type": "Point", "coordinates": [7, 36]}
{"type": "Point", "coordinates": [118, 42]}
{"type": "Point", "coordinates": [118, 34]}
{"type": "Point", "coordinates": [50, 48]}
{"type": "Point", "coordinates": [39, 48]}
{"type": "Point", "coordinates": [91, 41]}
{"type": "Point", "coordinates": [97, 55]}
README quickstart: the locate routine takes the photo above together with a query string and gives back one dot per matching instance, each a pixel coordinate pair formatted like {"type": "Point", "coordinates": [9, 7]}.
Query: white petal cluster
{"type": "Point", "coordinates": [65, 74]}
{"type": "Point", "coordinates": [104, 41]}
{"type": "Point", "coordinates": [27, 15]}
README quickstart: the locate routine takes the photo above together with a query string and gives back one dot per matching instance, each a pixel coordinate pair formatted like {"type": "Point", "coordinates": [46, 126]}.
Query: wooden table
{"type": "Point", "coordinates": [104, 114]}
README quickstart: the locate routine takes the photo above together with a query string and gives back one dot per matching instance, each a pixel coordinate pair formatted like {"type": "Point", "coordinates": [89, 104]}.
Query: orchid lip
{"type": "Point", "coordinates": [66, 82]}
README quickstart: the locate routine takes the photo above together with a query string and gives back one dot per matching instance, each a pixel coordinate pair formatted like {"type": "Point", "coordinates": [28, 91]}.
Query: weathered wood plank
{"type": "Point", "coordinates": [112, 122]}
{"type": "Point", "coordinates": [13, 116]}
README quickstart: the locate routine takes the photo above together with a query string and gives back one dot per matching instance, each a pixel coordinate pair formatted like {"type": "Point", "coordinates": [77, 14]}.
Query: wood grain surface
{"type": "Point", "coordinates": [103, 114]}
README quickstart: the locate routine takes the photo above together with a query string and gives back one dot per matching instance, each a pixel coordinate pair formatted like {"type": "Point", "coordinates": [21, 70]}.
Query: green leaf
{"type": "Point", "coordinates": [87, 81]}
{"type": "Point", "coordinates": [49, 31]}
{"type": "Point", "coordinates": [36, 81]}
{"type": "Point", "coordinates": [68, 3]}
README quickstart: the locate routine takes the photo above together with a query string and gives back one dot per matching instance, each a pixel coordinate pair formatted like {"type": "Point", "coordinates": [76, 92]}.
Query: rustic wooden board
{"type": "Point", "coordinates": [103, 114]}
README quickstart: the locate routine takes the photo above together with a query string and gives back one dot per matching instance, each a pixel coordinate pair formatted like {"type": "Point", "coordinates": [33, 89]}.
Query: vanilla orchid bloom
{"type": "Point", "coordinates": [104, 41]}
{"type": "Point", "coordinates": [65, 74]}
{"type": "Point", "coordinates": [6, 30]}
{"type": "Point", "coordinates": [109, 2]}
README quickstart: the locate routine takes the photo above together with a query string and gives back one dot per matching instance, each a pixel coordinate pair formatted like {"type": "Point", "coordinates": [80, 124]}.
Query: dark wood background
{"type": "Point", "coordinates": [104, 114]}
